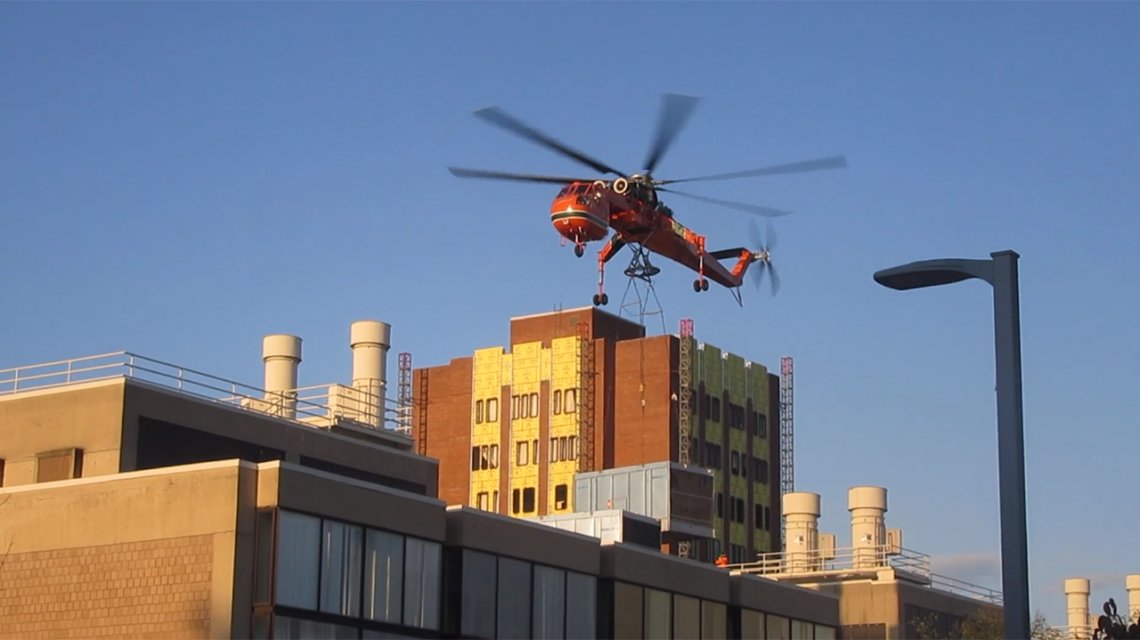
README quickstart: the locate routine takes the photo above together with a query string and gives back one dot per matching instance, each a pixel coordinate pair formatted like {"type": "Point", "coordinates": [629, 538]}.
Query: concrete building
{"type": "Point", "coordinates": [583, 391]}
{"type": "Point", "coordinates": [139, 498]}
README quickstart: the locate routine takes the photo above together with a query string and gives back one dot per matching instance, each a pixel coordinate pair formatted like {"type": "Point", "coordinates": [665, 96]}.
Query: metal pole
{"type": "Point", "coordinates": [1011, 447]}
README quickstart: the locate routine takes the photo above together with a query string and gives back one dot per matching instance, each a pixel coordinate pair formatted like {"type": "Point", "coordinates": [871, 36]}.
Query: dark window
{"type": "Point", "coordinates": [515, 501]}
{"type": "Point", "coordinates": [528, 499]}
{"type": "Point", "coordinates": [1, 472]}
{"type": "Point", "coordinates": [740, 510]}
{"type": "Point", "coordinates": [758, 517]}
{"type": "Point", "coordinates": [715, 410]}
{"type": "Point", "coordinates": [478, 412]}
{"type": "Point", "coordinates": [719, 504]}
{"type": "Point", "coordinates": [760, 470]}
{"type": "Point", "coordinates": [761, 426]}
{"type": "Point", "coordinates": [767, 518]}
{"type": "Point", "coordinates": [474, 458]}
{"type": "Point", "coordinates": [560, 492]}
{"type": "Point", "coordinates": [735, 463]}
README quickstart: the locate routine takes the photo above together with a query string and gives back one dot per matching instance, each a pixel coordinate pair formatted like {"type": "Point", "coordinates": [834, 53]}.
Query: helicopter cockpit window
{"type": "Point", "coordinates": [565, 191]}
{"type": "Point", "coordinates": [582, 188]}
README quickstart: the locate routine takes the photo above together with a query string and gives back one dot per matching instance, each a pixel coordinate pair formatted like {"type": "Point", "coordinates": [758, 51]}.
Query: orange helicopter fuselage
{"type": "Point", "coordinates": [584, 212]}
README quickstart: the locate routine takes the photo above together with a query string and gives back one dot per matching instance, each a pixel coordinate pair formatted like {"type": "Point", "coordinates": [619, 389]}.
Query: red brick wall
{"type": "Point", "coordinates": [448, 419]}
{"type": "Point", "coordinates": [642, 433]}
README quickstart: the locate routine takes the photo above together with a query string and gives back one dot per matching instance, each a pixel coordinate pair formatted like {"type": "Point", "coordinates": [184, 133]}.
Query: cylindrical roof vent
{"type": "Point", "coordinates": [281, 354]}
{"type": "Point", "coordinates": [868, 526]}
{"type": "Point", "coordinates": [1077, 604]}
{"type": "Point", "coordinates": [370, 341]}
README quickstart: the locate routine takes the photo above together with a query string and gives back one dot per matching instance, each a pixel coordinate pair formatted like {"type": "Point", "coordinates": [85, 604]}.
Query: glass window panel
{"type": "Point", "coordinates": [422, 565]}
{"type": "Point", "coordinates": [549, 603]}
{"type": "Point", "coordinates": [290, 628]}
{"type": "Point", "coordinates": [513, 609]}
{"type": "Point", "coordinates": [802, 630]}
{"type": "Point", "coordinates": [582, 602]}
{"type": "Point", "coordinates": [627, 611]}
{"type": "Point", "coordinates": [778, 628]}
{"type": "Point", "coordinates": [751, 624]}
{"type": "Point", "coordinates": [298, 559]}
{"type": "Point", "coordinates": [493, 410]}
{"type": "Point", "coordinates": [658, 613]}
{"type": "Point", "coordinates": [383, 576]}
{"type": "Point", "coordinates": [714, 619]}
{"type": "Point", "coordinates": [264, 556]}
{"type": "Point", "coordinates": [686, 617]}
{"type": "Point", "coordinates": [340, 568]}
{"type": "Point", "coordinates": [477, 598]}
{"type": "Point", "coordinates": [824, 632]}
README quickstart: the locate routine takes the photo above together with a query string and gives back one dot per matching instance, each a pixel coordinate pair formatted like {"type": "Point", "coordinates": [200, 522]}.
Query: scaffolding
{"type": "Point", "coordinates": [642, 302]}
{"type": "Point", "coordinates": [684, 409]}
{"type": "Point", "coordinates": [787, 438]}
{"type": "Point", "coordinates": [404, 395]}
{"type": "Point", "coordinates": [422, 414]}
{"type": "Point", "coordinates": [586, 374]}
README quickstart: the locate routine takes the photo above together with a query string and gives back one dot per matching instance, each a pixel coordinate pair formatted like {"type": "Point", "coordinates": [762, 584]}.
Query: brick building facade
{"type": "Point", "coordinates": [583, 390]}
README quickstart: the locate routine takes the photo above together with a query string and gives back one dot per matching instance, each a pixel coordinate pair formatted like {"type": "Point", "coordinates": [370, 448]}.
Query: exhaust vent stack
{"type": "Point", "coordinates": [370, 340]}
{"type": "Point", "coordinates": [281, 354]}
{"type": "Point", "coordinates": [801, 514]}
{"type": "Point", "coordinates": [1132, 585]}
{"type": "Point", "coordinates": [1077, 603]}
{"type": "Point", "coordinates": [868, 529]}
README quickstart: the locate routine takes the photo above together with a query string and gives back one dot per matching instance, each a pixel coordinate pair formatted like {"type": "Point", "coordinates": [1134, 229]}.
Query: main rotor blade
{"type": "Point", "coordinates": [498, 117]}
{"type": "Point", "coordinates": [504, 175]}
{"type": "Point", "coordinates": [834, 162]}
{"type": "Point", "coordinates": [675, 112]}
{"type": "Point", "coordinates": [740, 206]}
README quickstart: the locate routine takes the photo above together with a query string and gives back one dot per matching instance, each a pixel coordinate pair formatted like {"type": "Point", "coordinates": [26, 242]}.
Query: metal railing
{"type": "Point", "coordinates": [841, 559]}
{"type": "Point", "coordinates": [844, 560]}
{"type": "Point", "coordinates": [306, 405]}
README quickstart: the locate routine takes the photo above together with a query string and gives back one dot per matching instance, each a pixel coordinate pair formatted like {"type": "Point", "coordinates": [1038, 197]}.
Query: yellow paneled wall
{"type": "Point", "coordinates": [563, 421]}
{"type": "Point", "coordinates": [486, 417]}
{"type": "Point", "coordinates": [526, 376]}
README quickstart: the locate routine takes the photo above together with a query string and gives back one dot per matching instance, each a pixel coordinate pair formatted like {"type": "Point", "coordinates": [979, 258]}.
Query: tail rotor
{"type": "Point", "coordinates": [763, 255]}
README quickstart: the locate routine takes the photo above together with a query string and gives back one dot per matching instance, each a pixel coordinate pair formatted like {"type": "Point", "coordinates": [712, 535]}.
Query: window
{"type": "Point", "coordinates": [572, 445]}
{"type": "Point", "coordinates": [494, 456]}
{"type": "Point", "coordinates": [570, 401]}
{"type": "Point", "coordinates": [515, 505]}
{"type": "Point", "coordinates": [735, 463]}
{"type": "Point", "coordinates": [513, 610]}
{"type": "Point", "coordinates": [549, 602]}
{"type": "Point", "coordinates": [298, 559]}
{"type": "Point", "coordinates": [1, 472]}
{"type": "Point", "coordinates": [474, 458]}
{"type": "Point", "coordinates": [658, 613]}
{"type": "Point", "coordinates": [383, 576]}
{"type": "Point", "coordinates": [761, 427]}
{"type": "Point", "coordinates": [533, 409]}
{"type": "Point", "coordinates": [495, 501]}
{"type": "Point", "coordinates": [557, 404]}
{"type": "Point", "coordinates": [767, 518]}
{"type": "Point", "coordinates": [719, 504]}
{"type": "Point", "coordinates": [686, 617]}
{"type": "Point", "coordinates": [739, 510]}
{"type": "Point", "coordinates": [751, 624]}
{"type": "Point", "coordinates": [528, 500]}
{"type": "Point", "coordinates": [484, 457]}
{"type": "Point", "coordinates": [521, 453]}
{"type": "Point", "coordinates": [492, 410]}
{"type": "Point", "coordinates": [477, 595]}
{"type": "Point", "coordinates": [534, 450]}
{"type": "Point", "coordinates": [560, 496]}
{"type": "Point", "coordinates": [422, 568]}
{"type": "Point", "coordinates": [714, 619]}
{"type": "Point", "coordinates": [743, 466]}
{"type": "Point", "coordinates": [482, 500]}
{"type": "Point", "coordinates": [340, 568]}
{"type": "Point", "coordinates": [760, 470]}
{"type": "Point", "coordinates": [554, 450]}
{"type": "Point", "coordinates": [582, 599]}
{"type": "Point", "coordinates": [714, 410]}
{"type": "Point", "coordinates": [478, 412]}
{"type": "Point", "coordinates": [627, 616]}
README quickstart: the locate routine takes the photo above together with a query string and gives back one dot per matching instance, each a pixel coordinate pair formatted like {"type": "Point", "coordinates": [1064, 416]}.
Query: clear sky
{"type": "Point", "coordinates": [181, 179]}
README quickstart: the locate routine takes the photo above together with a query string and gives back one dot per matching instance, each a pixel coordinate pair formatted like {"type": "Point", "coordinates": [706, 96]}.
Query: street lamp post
{"type": "Point", "coordinates": [1001, 273]}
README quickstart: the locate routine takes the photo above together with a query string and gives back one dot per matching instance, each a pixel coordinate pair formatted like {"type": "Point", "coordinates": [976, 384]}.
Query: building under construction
{"type": "Point", "coordinates": [583, 399]}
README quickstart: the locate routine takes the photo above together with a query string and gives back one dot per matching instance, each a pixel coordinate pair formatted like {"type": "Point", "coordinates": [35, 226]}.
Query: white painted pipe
{"type": "Point", "coordinates": [281, 354]}
{"type": "Point", "coordinates": [1077, 604]}
{"type": "Point", "coordinates": [370, 341]}
{"type": "Point", "coordinates": [868, 526]}
{"type": "Point", "coordinates": [801, 518]}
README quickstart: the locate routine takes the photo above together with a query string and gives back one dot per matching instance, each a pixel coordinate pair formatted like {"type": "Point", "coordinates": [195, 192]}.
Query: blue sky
{"type": "Point", "coordinates": [181, 179]}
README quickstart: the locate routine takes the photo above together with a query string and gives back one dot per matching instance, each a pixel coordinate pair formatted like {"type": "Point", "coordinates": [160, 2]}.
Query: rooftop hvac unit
{"type": "Point", "coordinates": [894, 542]}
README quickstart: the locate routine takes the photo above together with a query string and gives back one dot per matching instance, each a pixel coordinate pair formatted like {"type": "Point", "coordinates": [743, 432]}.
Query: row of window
{"type": "Point", "coordinates": [735, 416]}
{"type": "Point", "coordinates": [484, 456]}
{"type": "Point", "coordinates": [523, 500]}
{"type": "Point", "coordinates": [328, 566]}
{"type": "Point", "coordinates": [525, 405]}
{"type": "Point", "coordinates": [762, 517]}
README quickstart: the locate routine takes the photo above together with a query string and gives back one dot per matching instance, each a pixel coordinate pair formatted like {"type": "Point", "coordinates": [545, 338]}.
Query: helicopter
{"type": "Point", "coordinates": [586, 209]}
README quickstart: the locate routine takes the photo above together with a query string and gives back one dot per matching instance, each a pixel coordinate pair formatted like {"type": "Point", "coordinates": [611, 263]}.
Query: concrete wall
{"type": "Point", "coordinates": [88, 416]}
{"type": "Point", "coordinates": [149, 553]}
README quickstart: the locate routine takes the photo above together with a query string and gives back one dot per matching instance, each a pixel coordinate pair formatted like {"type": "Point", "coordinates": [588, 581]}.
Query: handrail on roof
{"type": "Point", "coordinates": [338, 401]}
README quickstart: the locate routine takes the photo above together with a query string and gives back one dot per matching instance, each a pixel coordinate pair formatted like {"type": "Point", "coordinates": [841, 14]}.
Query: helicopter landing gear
{"type": "Point", "coordinates": [601, 299]}
{"type": "Point", "coordinates": [700, 284]}
{"type": "Point", "coordinates": [612, 247]}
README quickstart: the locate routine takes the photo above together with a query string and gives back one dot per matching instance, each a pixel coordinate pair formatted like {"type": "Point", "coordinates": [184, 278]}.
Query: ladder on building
{"type": "Point", "coordinates": [684, 409]}
{"type": "Point", "coordinates": [586, 373]}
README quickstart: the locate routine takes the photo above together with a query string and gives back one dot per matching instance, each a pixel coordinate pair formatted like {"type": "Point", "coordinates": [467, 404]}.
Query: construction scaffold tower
{"type": "Point", "coordinates": [787, 435]}
{"type": "Point", "coordinates": [422, 413]}
{"type": "Point", "coordinates": [684, 410]}
{"type": "Point", "coordinates": [404, 395]}
{"type": "Point", "coordinates": [585, 399]}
